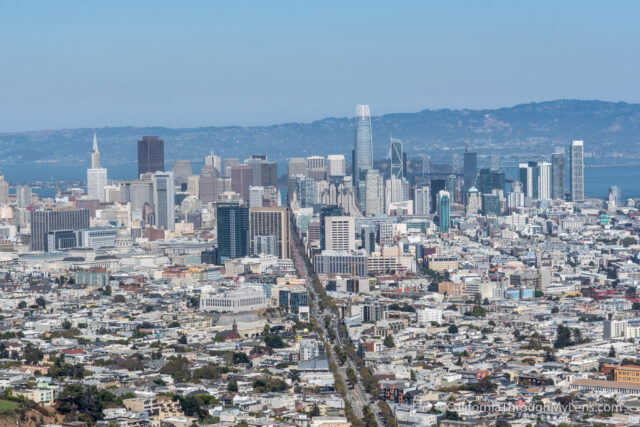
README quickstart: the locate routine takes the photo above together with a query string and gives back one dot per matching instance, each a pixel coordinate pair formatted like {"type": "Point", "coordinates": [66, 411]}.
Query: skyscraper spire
{"type": "Point", "coordinates": [95, 154]}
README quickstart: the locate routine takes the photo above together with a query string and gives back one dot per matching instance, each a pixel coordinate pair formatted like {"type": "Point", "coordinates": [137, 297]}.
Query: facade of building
{"type": "Point", "coordinates": [444, 211]}
{"type": "Point", "coordinates": [150, 155]}
{"type": "Point", "coordinates": [340, 233]}
{"type": "Point", "coordinates": [422, 201]}
{"type": "Point", "coordinates": [232, 230]}
{"type": "Point", "coordinates": [270, 221]}
{"type": "Point", "coordinates": [470, 169]}
{"type": "Point", "coordinates": [336, 165]}
{"type": "Point", "coordinates": [234, 301]}
{"type": "Point", "coordinates": [557, 174]}
{"type": "Point", "coordinates": [577, 171]}
{"type": "Point", "coordinates": [45, 221]}
{"type": "Point", "coordinates": [341, 262]}
{"type": "Point", "coordinates": [241, 180]}
{"type": "Point", "coordinates": [363, 148]}
{"type": "Point", "coordinates": [397, 158]}
{"type": "Point", "coordinates": [164, 200]}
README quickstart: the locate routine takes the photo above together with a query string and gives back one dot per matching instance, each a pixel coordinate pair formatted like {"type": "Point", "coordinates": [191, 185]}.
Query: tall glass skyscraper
{"type": "Point", "coordinates": [577, 171]}
{"type": "Point", "coordinates": [363, 148]}
{"type": "Point", "coordinates": [470, 169]}
{"type": "Point", "coordinates": [444, 211]}
{"type": "Point", "coordinates": [397, 158]}
{"type": "Point", "coordinates": [557, 174]}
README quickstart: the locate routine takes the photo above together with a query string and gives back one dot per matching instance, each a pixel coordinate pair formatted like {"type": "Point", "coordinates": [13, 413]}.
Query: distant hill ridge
{"type": "Point", "coordinates": [611, 130]}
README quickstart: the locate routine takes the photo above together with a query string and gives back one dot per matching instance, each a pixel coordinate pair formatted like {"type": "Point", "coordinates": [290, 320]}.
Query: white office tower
{"type": "Point", "coordinates": [96, 176]}
{"type": "Point", "coordinates": [297, 166]}
{"type": "Point", "coordinates": [374, 195]}
{"type": "Point", "coordinates": [4, 191]}
{"type": "Point", "coordinates": [615, 198]}
{"type": "Point", "coordinates": [515, 198]}
{"type": "Point", "coordinates": [163, 200]}
{"type": "Point", "coordinates": [336, 165]}
{"type": "Point", "coordinates": [473, 201]}
{"type": "Point", "coordinates": [24, 196]}
{"type": "Point", "coordinates": [396, 190]}
{"type": "Point", "coordinates": [316, 168]}
{"type": "Point", "coordinates": [256, 196]}
{"type": "Point", "coordinates": [340, 233]}
{"type": "Point", "coordinates": [422, 201]}
{"type": "Point", "coordinates": [544, 181]}
{"type": "Point", "coordinates": [577, 171]}
{"type": "Point", "coordinates": [215, 162]}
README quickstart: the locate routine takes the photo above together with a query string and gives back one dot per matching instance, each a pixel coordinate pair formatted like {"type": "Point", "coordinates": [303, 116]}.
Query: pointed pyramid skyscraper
{"type": "Point", "coordinates": [95, 154]}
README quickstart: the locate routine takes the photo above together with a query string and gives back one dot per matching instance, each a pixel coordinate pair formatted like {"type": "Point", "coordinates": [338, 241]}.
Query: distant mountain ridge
{"type": "Point", "coordinates": [611, 130]}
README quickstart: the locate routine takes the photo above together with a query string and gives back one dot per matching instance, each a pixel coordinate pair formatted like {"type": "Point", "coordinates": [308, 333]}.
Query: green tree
{"type": "Point", "coordinates": [453, 329]}
{"type": "Point", "coordinates": [119, 299]}
{"type": "Point", "coordinates": [41, 302]}
{"type": "Point", "coordinates": [66, 325]}
{"type": "Point", "coordinates": [388, 341]}
{"type": "Point", "coordinates": [32, 354]}
{"type": "Point", "coordinates": [232, 386]}
{"type": "Point", "coordinates": [563, 337]}
{"type": "Point", "coordinates": [612, 352]}
{"type": "Point", "coordinates": [183, 339]}
{"type": "Point", "coordinates": [107, 290]}
{"type": "Point", "coordinates": [76, 399]}
{"type": "Point", "coordinates": [555, 310]}
{"type": "Point", "coordinates": [22, 305]}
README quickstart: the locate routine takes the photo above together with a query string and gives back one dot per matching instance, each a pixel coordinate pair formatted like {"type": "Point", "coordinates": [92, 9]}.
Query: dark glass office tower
{"type": "Point", "coordinates": [150, 155]}
{"type": "Point", "coordinates": [557, 175]}
{"type": "Point", "coordinates": [437, 185]}
{"type": "Point", "coordinates": [470, 170]}
{"type": "Point", "coordinates": [233, 231]}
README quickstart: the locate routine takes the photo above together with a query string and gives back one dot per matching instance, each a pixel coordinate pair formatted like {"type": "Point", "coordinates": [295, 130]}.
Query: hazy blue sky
{"type": "Point", "coordinates": [113, 63]}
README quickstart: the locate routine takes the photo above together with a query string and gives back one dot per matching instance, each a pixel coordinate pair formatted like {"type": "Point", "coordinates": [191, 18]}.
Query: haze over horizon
{"type": "Point", "coordinates": [80, 65]}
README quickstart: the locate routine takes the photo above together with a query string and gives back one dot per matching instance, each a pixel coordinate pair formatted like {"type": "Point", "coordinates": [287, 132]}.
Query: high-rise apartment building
{"type": "Point", "coordinates": [340, 233]}
{"type": "Point", "coordinates": [43, 222]}
{"type": "Point", "coordinates": [557, 174]}
{"type": "Point", "coordinates": [241, 180]}
{"type": "Point", "coordinates": [363, 148]}
{"type": "Point", "coordinates": [150, 155]}
{"type": "Point", "coordinates": [4, 191]}
{"type": "Point", "coordinates": [544, 181]}
{"type": "Point", "coordinates": [336, 165]}
{"type": "Point", "coordinates": [232, 230]}
{"type": "Point", "coordinates": [371, 187]}
{"type": "Point", "coordinates": [270, 221]}
{"type": "Point", "coordinates": [528, 173]}
{"type": "Point", "coordinates": [397, 158]}
{"type": "Point", "coordinates": [577, 171]}
{"type": "Point", "coordinates": [164, 199]}
{"type": "Point", "coordinates": [422, 201]}
{"type": "Point", "coordinates": [24, 196]}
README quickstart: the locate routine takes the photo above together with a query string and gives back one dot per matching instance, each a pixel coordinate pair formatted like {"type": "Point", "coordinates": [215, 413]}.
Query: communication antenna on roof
{"type": "Point", "coordinates": [466, 144]}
